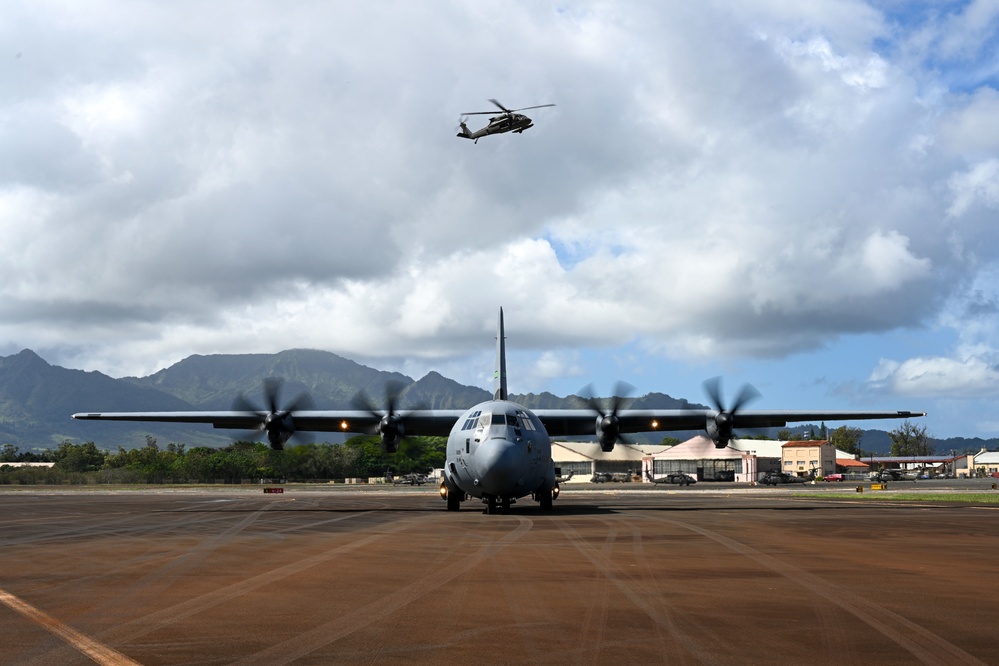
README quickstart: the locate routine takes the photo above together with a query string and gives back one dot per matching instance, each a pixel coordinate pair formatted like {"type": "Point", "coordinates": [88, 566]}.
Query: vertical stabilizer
{"type": "Point", "coordinates": [500, 393]}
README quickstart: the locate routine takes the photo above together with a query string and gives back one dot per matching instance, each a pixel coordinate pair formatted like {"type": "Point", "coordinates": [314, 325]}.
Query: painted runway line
{"type": "Point", "coordinates": [100, 653]}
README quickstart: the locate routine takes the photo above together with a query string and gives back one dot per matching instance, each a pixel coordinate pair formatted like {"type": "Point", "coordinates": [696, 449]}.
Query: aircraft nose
{"type": "Point", "coordinates": [499, 466]}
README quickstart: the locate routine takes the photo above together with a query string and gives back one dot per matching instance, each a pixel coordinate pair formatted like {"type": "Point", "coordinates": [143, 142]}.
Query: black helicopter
{"type": "Point", "coordinates": [508, 121]}
{"type": "Point", "coordinates": [678, 478]}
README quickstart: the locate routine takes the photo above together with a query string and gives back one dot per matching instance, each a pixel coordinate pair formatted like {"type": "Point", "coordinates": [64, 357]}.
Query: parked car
{"type": "Point", "coordinates": [833, 477]}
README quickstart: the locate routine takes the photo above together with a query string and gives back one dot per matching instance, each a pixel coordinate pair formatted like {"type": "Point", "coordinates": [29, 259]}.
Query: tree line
{"type": "Point", "coordinates": [360, 456]}
{"type": "Point", "coordinates": [908, 439]}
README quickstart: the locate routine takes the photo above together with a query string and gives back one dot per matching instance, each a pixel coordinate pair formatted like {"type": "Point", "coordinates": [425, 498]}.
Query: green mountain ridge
{"type": "Point", "coordinates": [37, 398]}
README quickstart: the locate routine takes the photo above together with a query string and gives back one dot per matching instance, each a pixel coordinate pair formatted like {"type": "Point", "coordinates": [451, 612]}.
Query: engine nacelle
{"type": "Point", "coordinates": [608, 431]}
{"type": "Point", "coordinates": [719, 429]}
{"type": "Point", "coordinates": [391, 430]}
{"type": "Point", "coordinates": [279, 428]}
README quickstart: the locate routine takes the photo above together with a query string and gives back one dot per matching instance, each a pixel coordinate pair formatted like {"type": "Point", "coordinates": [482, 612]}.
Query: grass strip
{"type": "Point", "coordinates": [991, 497]}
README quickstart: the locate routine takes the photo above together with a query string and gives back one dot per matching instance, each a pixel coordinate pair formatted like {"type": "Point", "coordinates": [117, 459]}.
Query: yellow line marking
{"type": "Point", "coordinates": [100, 653]}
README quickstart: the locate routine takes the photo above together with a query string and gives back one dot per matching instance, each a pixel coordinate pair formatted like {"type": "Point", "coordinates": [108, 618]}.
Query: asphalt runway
{"type": "Point", "coordinates": [374, 576]}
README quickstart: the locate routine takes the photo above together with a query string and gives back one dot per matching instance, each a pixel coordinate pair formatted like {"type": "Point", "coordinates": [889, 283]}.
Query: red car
{"type": "Point", "coordinates": [833, 477]}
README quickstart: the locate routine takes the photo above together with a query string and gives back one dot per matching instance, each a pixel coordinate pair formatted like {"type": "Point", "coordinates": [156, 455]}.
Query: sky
{"type": "Point", "coordinates": [801, 196]}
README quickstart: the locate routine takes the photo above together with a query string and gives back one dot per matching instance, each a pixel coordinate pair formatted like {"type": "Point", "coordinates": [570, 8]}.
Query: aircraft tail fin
{"type": "Point", "coordinates": [464, 133]}
{"type": "Point", "coordinates": [500, 392]}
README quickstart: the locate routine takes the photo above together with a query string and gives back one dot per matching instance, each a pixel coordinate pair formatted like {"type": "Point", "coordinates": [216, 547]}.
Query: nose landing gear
{"type": "Point", "coordinates": [497, 504]}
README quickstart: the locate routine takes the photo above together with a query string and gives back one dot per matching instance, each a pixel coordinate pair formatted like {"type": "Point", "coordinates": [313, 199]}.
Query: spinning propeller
{"type": "Point", "coordinates": [279, 424]}
{"type": "Point", "coordinates": [720, 427]}
{"type": "Point", "coordinates": [608, 428]}
{"type": "Point", "coordinates": [391, 423]}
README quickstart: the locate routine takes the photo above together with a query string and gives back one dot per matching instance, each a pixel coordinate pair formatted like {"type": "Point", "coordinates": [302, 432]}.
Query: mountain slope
{"type": "Point", "coordinates": [213, 382]}
{"type": "Point", "coordinates": [36, 398]}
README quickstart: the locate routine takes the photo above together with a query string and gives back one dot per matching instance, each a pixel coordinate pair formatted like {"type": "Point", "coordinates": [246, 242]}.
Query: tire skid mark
{"type": "Point", "coordinates": [121, 524]}
{"type": "Point", "coordinates": [161, 579]}
{"type": "Point", "coordinates": [924, 645]}
{"type": "Point", "coordinates": [359, 618]}
{"type": "Point", "coordinates": [129, 631]}
{"type": "Point", "coordinates": [380, 654]}
{"type": "Point", "coordinates": [594, 623]}
{"type": "Point", "coordinates": [522, 619]}
{"type": "Point", "coordinates": [138, 627]}
{"type": "Point", "coordinates": [111, 527]}
{"type": "Point", "coordinates": [650, 573]}
{"type": "Point", "coordinates": [662, 618]}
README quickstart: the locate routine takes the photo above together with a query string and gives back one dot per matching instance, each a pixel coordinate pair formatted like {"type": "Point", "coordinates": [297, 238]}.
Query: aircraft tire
{"type": "Point", "coordinates": [546, 500]}
{"type": "Point", "coordinates": [453, 501]}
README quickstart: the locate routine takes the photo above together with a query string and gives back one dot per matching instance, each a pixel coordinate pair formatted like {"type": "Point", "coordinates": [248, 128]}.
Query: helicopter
{"type": "Point", "coordinates": [508, 121]}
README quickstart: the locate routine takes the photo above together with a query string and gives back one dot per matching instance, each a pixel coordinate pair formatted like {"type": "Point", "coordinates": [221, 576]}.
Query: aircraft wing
{"type": "Point", "coordinates": [565, 422]}
{"type": "Point", "coordinates": [421, 422]}
{"type": "Point", "coordinates": [558, 422]}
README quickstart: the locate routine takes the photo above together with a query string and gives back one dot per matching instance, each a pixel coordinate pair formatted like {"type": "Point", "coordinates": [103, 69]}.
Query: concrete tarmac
{"type": "Point", "coordinates": [220, 576]}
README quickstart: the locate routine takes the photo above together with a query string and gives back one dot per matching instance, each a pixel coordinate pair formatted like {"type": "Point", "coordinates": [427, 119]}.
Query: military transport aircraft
{"type": "Point", "coordinates": [498, 451]}
{"type": "Point", "coordinates": [508, 121]}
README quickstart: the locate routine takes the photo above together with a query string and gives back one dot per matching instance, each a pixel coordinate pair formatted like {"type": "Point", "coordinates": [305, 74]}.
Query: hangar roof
{"type": "Point", "coordinates": [699, 448]}
{"type": "Point", "coordinates": [987, 458]}
{"type": "Point", "coordinates": [588, 451]}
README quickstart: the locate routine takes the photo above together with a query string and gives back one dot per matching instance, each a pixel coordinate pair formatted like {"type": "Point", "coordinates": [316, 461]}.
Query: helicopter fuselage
{"type": "Point", "coordinates": [507, 122]}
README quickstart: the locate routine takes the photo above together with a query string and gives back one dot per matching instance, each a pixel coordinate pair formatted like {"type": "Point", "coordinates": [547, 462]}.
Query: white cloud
{"type": "Point", "coordinates": [977, 185]}
{"type": "Point", "coordinates": [938, 377]}
{"type": "Point", "coordinates": [750, 181]}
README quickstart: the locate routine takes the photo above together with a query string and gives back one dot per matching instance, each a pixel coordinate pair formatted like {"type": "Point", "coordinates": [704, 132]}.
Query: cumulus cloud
{"type": "Point", "coordinates": [938, 377]}
{"type": "Point", "coordinates": [756, 181]}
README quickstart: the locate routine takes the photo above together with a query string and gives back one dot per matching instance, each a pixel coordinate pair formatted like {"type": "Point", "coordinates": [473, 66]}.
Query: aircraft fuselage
{"type": "Point", "coordinates": [499, 451]}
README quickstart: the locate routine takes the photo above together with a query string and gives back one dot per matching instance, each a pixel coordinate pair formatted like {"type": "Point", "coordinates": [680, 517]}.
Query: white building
{"type": "Point", "coordinates": [987, 462]}
{"type": "Point", "coordinates": [743, 460]}
{"type": "Point", "coordinates": [584, 459]}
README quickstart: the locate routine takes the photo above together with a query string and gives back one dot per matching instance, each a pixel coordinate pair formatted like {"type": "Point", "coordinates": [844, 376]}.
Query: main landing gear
{"type": "Point", "coordinates": [452, 497]}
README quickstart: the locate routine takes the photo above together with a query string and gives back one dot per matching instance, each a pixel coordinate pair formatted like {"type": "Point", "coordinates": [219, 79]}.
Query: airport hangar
{"type": "Point", "coordinates": [743, 460]}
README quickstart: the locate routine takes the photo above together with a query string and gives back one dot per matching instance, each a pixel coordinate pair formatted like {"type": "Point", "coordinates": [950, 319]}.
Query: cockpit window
{"type": "Point", "coordinates": [509, 419]}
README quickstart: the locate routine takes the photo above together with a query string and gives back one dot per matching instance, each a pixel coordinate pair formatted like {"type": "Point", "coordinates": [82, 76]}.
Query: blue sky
{"type": "Point", "coordinates": [800, 196]}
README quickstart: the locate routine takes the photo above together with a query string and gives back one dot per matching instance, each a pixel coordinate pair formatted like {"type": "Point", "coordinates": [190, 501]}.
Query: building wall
{"type": "Point", "coordinates": [801, 458]}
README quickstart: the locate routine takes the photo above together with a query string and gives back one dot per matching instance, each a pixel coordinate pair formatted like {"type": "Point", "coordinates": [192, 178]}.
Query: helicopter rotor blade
{"type": "Point", "coordinates": [504, 109]}
{"type": "Point", "coordinates": [539, 106]}
{"type": "Point", "coordinates": [500, 106]}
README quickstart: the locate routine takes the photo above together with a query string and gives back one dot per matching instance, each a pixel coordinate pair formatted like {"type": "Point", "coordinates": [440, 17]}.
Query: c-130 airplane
{"type": "Point", "coordinates": [499, 451]}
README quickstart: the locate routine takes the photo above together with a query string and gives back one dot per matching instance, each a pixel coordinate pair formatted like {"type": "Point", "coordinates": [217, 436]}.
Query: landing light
{"type": "Point", "coordinates": [443, 491]}
{"type": "Point", "coordinates": [655, 424]}
{"type": "Point", "coordinates": [343, 425]}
